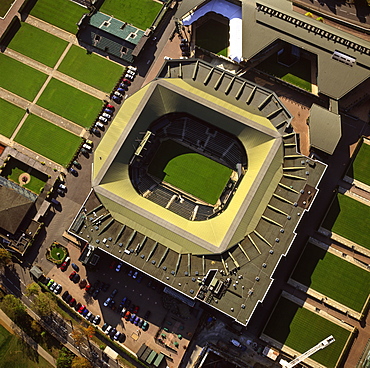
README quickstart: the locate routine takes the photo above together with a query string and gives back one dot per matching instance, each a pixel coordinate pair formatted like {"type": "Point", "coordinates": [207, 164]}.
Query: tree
{"type": "Point", "coordinates": [5, 257]}
{"type": "Point", "coordinates": [65, 358]}
{"type": "Point", "coordinates": [88, 331]}
{"type": "Point", "coordinates": [44, 304]}
{"type": "Point", "coordinates": [80, 362]}
{"type": "Point", "coordinates": [13, 307]}
{"type": "Point", "coordinates": [78, 337]}
{"type": "Point", "coordinates": [33, 289]}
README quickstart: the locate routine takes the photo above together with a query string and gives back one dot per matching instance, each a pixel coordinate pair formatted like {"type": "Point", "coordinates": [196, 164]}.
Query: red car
{"type": "Point", "coordinates": [82, 308]}
{"type": "Point", "coordinates": [126, 81]}
{"type": "Point", "coordinates": [72, 302]}
{"type": "Point", "coordinates": [88, 287]}
{"type": "Point", "coordinates": [64, 266]}
{"type": "Point", "coordinates": [72, 275]}
{"type": "Point", "coordinates": [136, 310]}
{"type": "Point", "coordinates": [127, 315]}
{"type": "Point", "coordinates": [113, 264]}
{"type": "Point", "coordinates": [110, 107]}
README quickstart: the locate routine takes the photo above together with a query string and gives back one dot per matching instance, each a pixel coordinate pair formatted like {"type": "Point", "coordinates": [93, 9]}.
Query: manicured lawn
{"type": "Point", "coordinates": [301, 329]}
{"type": "Point", "coordinates": [48, 140]}
{"type": "Point", "coordinates": [38, 45]}
{"type": "Point", "coordinates": [10, 116]}
{"type": "Point", "coordinates": [350, 219]}
{"type": "Point", "coordinates": [5, 6]}
{"type": "Point", "coordinates": [15, 353]}
{"type": "Point", "coordinates": [91, 69]}
{"type": "Point", "coordinates": [70, 103]}
{"type": "Point", "coordinates": [333, 277]}
{"type": "Point", "coordinates": [213, 36]}
{"type": "Point", "coordinates": [19, 78]}
{"type": "Point", "coordinates": [57, 253]}
{"type": "Point", "coordinates": [361, 165]}
{"type": "Point", "coordinates": [298, 74]}
{"type": "Point", "coordinates": [140, 14]}
{"type": "Point", "coordinates": [64, 14]}
{"type": "Point", "coordinates": [189, 171]}
{"type": "Point", "coordinates": [14, 168]}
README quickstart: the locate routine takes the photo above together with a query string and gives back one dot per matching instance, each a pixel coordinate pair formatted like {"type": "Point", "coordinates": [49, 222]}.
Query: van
{"type": "Point", "coordinates": [55, 202]}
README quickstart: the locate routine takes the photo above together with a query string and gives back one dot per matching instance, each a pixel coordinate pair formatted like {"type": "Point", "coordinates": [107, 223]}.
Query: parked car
{"type": "Point", "coordinates": [140, 323]}
{"type": "Point", "coordinates": [135, 275]}
{"type": "Point", "coordinates": [136, 309]}
{"type": "Point", "coordinates": [68, 298]}
{"type": "Point", "coordinates": [113, 264]}
{"type": "Point", "coordinates": [83, 283]}
{"type": "Point", "coordinates": [75, 267]}
{"type": "Point", "coordinates": [112, 332]}
{"type": "Point", "coordinates": [81, 309]}
{"type": "Point", "coordinates": [96, 293]}
{"type": "Point", "coordinates": [139, 278]}
{"type": "Point", "coordinates": [132, 67]}
{"type": "Point", "coordinates": [105, 287]}
{"type": "Point", "coordinates": [51, 282]}
{"type": "Point", "coordinates": [53, 286]}
{"type": "Point", "coordinates": [118, 268]}
{"type": "Point", "coordinates": [78, 306]}
{"type": "Point", "coordinates": [120, 308]}
{"type": "Point", "coordinates": [87, 147]}
{"type": "Point", "coordinates": [132, 318]}
{"type": "Point", "coordinates": [106, 303]}
{"type": "Point", "coordinates": [72, 302]}
{"type": "Point", "coordinates": [108, 111]}
{"type": "Point", "coordinates": [126, 81]}
{"type": "Point", "coordinates": [65, 294]}
{"type": "Point", "coordinates": [85, 312]}
{"type": "Point", "coordinates": [77, 164]}
{"type": "Point", "coordinates": [88, 287]}
{"type": "Point", "coordinates": [116, 99]}
{"type": "Point", "coordinates": [72, 170]}
{"type": "Point", "coordinates": [145, 326]}
{"type": "Point", "coordinates": [46, 280]}
{"type": "Point", "coordinates": [64, 265]}
{"type": "Point", "coordinates": [130, 272]}
{"type": "Point", "coordinates": [129, 77]}
{"type": "Point", "coordinates": [76, 278]}
{"type": "Point", "coordinates": [110, 107]}
{"type": "Point", "coordinates": [115, 93]}
{"type": "Point", "coordinates": [131, 72]}
{"type": "Point", "coordinates": [108, 329]}
{"type": "Point", "coordinates": [104, 327]}
{"type": "Point", "coordinates": [127, 315]}
{"type": "Point", "coordinates": [96, 320]}
{"type": "Point", "coordinates": [72, 275]}
{"type": "Point", "coordinates": [106, 115]}
{"type": "Point", "coordinates": [116, 335]}
{"type": "Point", "coordinates": [147, 315]}
{"type": "Point", "coordinates": [95, 131]}
{"type": "Point", "coordinates": [136, 321]}
{"type": "Point", "coordinates": [121, 90]}
{"type": "Point", "coordinates": [58, 289]}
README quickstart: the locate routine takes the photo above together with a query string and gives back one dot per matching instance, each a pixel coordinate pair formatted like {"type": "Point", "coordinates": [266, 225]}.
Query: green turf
{"type": "Point", "coordinates": [19, 78]}
{"type": "Point", "coordinates": [350, 219]}
{"type": "Point", "coordinates": [140, 14]}
{"type": "Point", "coordinates": [64, 14]}
{"type": "Point", "coordinates": [48, 140]}
{"type": "Point", "coordinates": [38, 45]}
{"type": "Point", "coordinates": [189, 171]}
{"type": "Point", "coordinates": [301, 329]}
{"type": "Point", "coordinates": [91, 69]}
{"type": "Point", "coordinates": [14, 168]}
{"type": "Point", "coordinates": [10, 116]}
{"type": "Point", "coordinates": [333, 277]}
{"type": "Point", "coordinates": [70, 103]}
{"type": "Point", "coordinates": [298, 74]}
{"type": "Point", "coordinates": [5, 6]}
{"type": "Point", "coordinates": [361, 165]}
{"type": "Point", "coordinates": [55, 250]}
{"type": "Point", "coordinates": [15, 353]}
{"type": "Point", "coordinates": [213, 36]}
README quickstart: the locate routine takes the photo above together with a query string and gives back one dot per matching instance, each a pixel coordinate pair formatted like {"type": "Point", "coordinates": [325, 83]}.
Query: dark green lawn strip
{"type": "Point", "coordinates": [333, 277]}
{"type": "Point", "coordinates": [140, 14]}
{"type": "Point", "coordinates": [301, 329]}
{"type": "Point", "coordinates": [64, 14]}
{"type": "Point", "coordinates": [91, 69]}
{"type": "Point", "coordinates": [350, 219]}
{"type": "Point", "coordinates": [361, 165]}
{"type": "Point", "coordinates": [10, 116]}
{"type": "Point", "coordinates": [19, 78]}
{"type": "Point", "coordinates": [38, 45]}
{"type": "Point", "coordinates": [48, 140]}
{"type": "Point", "coordinates": [70, 103]}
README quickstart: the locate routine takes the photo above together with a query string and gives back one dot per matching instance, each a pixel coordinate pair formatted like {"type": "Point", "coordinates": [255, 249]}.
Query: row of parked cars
{"type": "Point", "coordinates": [123, 85]}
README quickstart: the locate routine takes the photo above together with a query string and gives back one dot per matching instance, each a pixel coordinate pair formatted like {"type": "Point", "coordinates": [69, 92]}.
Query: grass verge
{"type": "Point", "coordinates": [48, 140]}
{"type": "Point", "coordinates": [10, 117]}
{"type": "Point", "coordinates": [361, 164]}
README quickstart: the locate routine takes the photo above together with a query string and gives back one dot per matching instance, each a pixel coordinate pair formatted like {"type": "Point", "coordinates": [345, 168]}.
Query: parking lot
{"type": "Point", "coordinates": [172, 329]}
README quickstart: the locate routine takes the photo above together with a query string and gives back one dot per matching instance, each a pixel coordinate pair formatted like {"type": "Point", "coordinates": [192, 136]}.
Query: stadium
{"type": "Point", "coordinates": [198, 184]}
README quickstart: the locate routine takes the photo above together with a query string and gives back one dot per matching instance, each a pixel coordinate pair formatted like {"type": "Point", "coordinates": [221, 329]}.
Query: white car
{"type": "Point", "coordinates": [62, 186]}
{"type": "Point", "coordinates": [99, 125]}
{"type": "Point", "coordinates": [105, 115]}
{"type": "Point", "coordinates": [118, 268]}
{"type": "Point", "coordinates": [109, 328]}
{"type": "Point", "coordinates": [58, 289]}
{"type": "Point", "coordinates": [96, 320]}
{"type": "Point", "coordinates": [132, 72]}
{"type": "Point", "coordinates": [117, 335]}
{"type": "Point", "coordinates": [53, 286]}
{"type": "Point", "coordinates": [131, 67]}
{"type": "Point", "coordinates": [116, 93]}
{"type": "Point", "coordinates": [103, 119]}
{"type": "Point", "coordinates": [88, 316]}
{"type": "Point", "coordinates": [106, 303]}
{"type": "Point", "coordinates": [86, 146]}
{"type": "Point", "coordinates": [129, 77]}
{"type": "Point", "coordinates": [167, 58]}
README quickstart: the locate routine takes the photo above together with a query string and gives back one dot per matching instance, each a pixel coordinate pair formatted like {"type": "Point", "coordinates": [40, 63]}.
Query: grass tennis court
{"type": "Point", "coordinates": [140, 14]}
{"type": "Point", "coordinates": [360, 167]}
{"type": "Point", "coordinates": [189, 171]}
{"type": "Point", "coordinates": [333, 277]}
{"type": "Point", "coordinates": [91, 69]}
{"type": "Point", "coordinates": [38, 45]}
{"type": "Point", "coordinates": [48, 140]}
{"type": "Point", "coordinates": [350, 219]}
{"type": "Point", "coordinates": [298, 74]}
{"type": "Point", "coordinates": [213, 36]}
{"type": "Point", "coordinates": [19, 78]}
{"type": "Point", "coordinates": [70, 103]}
{"type": "Point", "coordinates": [64, 14]}
{"type": "Point", "coordinates": [15, 353]}
{"type": "Point", "coordinates": [5, 6]}
{"type": "Point", "coordinates": [10, 116]}
{"type": "Point", "coordinates": [301, 329]}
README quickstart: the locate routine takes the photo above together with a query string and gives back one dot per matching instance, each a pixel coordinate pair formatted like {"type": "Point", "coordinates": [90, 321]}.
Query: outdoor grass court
{"type": "Point", "coordinates": [213, 36]}
{"type": "Point", "coordinates": [5, 6]}
{"type": "Point", "coordinates": [298, 74]}
{"type": "Point", "coordinates": [48, 140]}
{"type": "Point", "coordinates": [350, 219]}
{"type": "Point", "coordinates": [38, 45]}
{"type": "Point", "coordinates": [333, 277]}
{"type": "Point", "coordinates": [189, 171]}
{"type": "Point", "coordinates": [361, 164]}
{"type": "Point", "coordinates": [19, 78]}
{"type": "Point", "coordinates": [301, 329]}
{"type": "Point", "coordinates": [140, 14]}
{"type": "Point", "coordinates": [70, 103]}
{"type": "Point", "coordinates": [91, 69]}
{"type": "Point", "coordinates": [14, 168]}
{"type": "Point", "coordinates": [10, 116]}
{"type": "Point", "coordinates": [64, 14]}
{"type": "Point", "coordinates": [15, 353]}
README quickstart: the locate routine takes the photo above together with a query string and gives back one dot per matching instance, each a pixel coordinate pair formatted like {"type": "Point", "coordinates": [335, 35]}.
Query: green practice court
{"type": "Point", "coordinates": [63, 14]}
{"type": "Point", "coordinates": [189, 171]}
{"type": "Point", "coordinates": [70, 103]}
{"type": "Point", "coordinates": [91, 69]}
{"type": "Point", "coordinates": [10, 117]}
{"type": "Point", "coordinates": [332, 276]}
{"type": "Point", "coordinates": [20, 78]}
{"type": "Point", "coordinates": [48, 140]}
{"type": "Point", "coordinates": [349, 219]}
{"type": "Point", "coordinates": [38, 45]}
{"type": "Point", "coordinates": [360, 168]}
{"type": "Point", "coordinates": [140, 14]}
{"type": "Point", "coordinates": [301, 329]}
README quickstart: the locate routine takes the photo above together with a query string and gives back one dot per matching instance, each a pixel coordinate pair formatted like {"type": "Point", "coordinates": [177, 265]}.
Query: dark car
{"type": "Point", "coordinates": [76, 278]}
{"type": "Point", "coordinates": [77, 164]}
{"type": "Point", "coordinates": [140, 323]}
{"type": "Point", "coordinates": [136, 309]}
{"type": "Point", "coordinates": [112, 332]}
{"type": "Point", "coordinates": [113, 264]}
{"type": "Point", "coordinates": [116, 99]}
{"type": "Point", "coordinates": [65, 294]}
{"type": "Point", "coordinates": [89, 289]}
{"type": "Point", "coordinates": [139, 278]}
{"type": "Point", "coordinates": [72, 302]}
{"type": "Point", "coordinates": [73, 171]}
{"type": "Point", "coordinates": [46, 280]}
{"type": "Point", "coordinates": [72, 275]}
{"type": "Point", "coordinates": [75, 267]}
{"type": "Point", "coordinates": [105, 326]}
{"type": "Point", "coordinates": [121, 90]}
{"type": "Point", "coordinates": [96, 293]}
{"type": "Point", "coordinates": [83, 283]}
{"type": "Point", "coordinates": [68, 298]}
{"type": "Point", "coordinates": [120, 307]}
{"type": "Point", "coordinates": [85, 312]}
{"type": "Point", "coordinates": [105, 287]}
{"type": "Point", "coordinates": [114, 293]}
{"type": "Point", "coordinates": [147, 315]}
{"type": "Point", "coordinates": [78, 306]}
{"type": "Point", "coordinates": [96, 284]}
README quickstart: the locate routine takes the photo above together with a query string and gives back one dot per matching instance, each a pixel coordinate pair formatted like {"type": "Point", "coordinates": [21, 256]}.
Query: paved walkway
{"type": "Point", "coordinates": [13, 328]}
